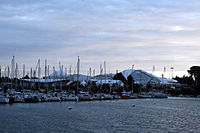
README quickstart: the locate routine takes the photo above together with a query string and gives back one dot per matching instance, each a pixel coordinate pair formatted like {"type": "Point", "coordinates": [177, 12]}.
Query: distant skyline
{"type": "Point", "coordinates": [145, 33]}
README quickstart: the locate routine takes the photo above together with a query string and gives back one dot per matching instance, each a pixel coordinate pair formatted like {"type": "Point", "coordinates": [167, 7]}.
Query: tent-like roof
{"type": "Point", "coordinates": [43, 80]}
{"type": "Point", "coordinates": [58, 75]}
{"type": "Point", "coordinates": [133, 72]}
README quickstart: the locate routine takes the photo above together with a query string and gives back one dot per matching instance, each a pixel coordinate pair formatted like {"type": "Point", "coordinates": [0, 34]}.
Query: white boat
{"type": "Point", "coordinates": [54, 99]}
{"type": "Point", "coordinates": [30, 98]}
{"type": "Point", "coordinates": [125, 95]}
{"type": "Point", "coordinates": [44, 98]}
{"type": "Point", "coordinates": [98, 96]}
{"type": "Point", "coordinates": [4, 99]}
{"type": "Point", "coordinates": [117, 97]}
{"type": "Point", "coordinates": [133, 96]}
{"type": "Point", "coordinates": [18, 99]}
{"type": "Point", "coordinates": [158, 95]}
{"type": "Point", "coordinates": [108, 97]}
{"type": "Point", "coordinates": [85, 97]}
{"type": "Point", "coordinates": [70, 97]}
{"type": "Point", "coordinates": [144, 95]}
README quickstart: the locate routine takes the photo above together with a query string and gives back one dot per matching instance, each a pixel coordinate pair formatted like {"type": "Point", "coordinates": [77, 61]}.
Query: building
{"type": "Point", "coordinates": [144, 78]}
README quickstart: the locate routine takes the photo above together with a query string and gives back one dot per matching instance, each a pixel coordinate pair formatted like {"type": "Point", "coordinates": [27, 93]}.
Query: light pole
{"type": "Point", "coordinates": [172, 68]}
{"type": "Point", "coordinates": [132, 66]}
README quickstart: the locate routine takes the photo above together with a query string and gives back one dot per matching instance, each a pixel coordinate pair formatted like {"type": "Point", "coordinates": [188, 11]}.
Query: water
{"type": "Point", "coordinates": [148, 115]}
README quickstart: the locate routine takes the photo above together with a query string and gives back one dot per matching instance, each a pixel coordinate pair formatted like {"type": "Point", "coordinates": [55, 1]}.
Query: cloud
{"type": "Point", "coordinates": [121, 32]}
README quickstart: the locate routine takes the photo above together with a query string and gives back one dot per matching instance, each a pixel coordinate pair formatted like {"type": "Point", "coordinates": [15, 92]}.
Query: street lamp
{"type": "Point", "coordinates": [172, 68]}
{"type": "Point", "coordinates": [132, 66]}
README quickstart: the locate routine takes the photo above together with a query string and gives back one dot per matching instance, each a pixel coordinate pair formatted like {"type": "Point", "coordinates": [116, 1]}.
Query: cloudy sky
{"type": "Point", "coordinates": [120, 32]}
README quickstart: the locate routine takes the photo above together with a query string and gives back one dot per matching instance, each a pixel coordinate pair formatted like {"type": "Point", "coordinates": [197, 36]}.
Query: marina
{"type": "Point", "coordinates": [60, 86]}
{"type": "Point", "coordinates": [36, 97]}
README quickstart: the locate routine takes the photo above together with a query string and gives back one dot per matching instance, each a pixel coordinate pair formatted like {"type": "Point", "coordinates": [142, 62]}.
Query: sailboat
{"type": "Point", "coordinates": [107, 96]}
{"type": "Point", "coordinates": [76, 90]}
{"type": "Point", "coordinates": [99, 96]}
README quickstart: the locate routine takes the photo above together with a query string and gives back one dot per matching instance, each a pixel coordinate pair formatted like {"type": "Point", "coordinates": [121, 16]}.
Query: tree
{"type": "Point", "coordinates": [188, 80]}
{"type": "Point", "coordinates": [26, 77]}
{"type": "Point", "coordinates": [195, 73]}
{"type": "Point", "coordinates": [119, 76]}
{"type": "Point", "coordinates": [130, 82]}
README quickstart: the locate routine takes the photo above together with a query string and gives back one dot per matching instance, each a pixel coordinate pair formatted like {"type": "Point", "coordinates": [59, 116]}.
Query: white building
{"type": "Point", "coordinates": [110, 82]}
{"type": "Point", "coordinates": [142, 77]}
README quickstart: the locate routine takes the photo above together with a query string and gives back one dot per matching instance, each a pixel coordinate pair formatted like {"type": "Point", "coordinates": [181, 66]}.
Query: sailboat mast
{"type": "Point", "coordinates": [23, 75]}
{"type": "Point", "coordinates": [54, 72]}
{"type": "Point", "coordinates": [55, 76]}
{"type": "Point", "coordinates": [60, 71]}
{"type": "Point", "coordinates": [39, 69]}
{"type": "Point", "coordinates": [4, 76]}
{"type": "Point", "coordinates": [13, 67]}
{"type": "Point", "coordinates": [100, 77]}
{"type": "Point", "coordinates": [164, 71]}
{"type": "Point", "coordinates": [1, 78]}
{"type": "Point", "coordinates": [61, 74]}
{"type": "Point", "coordinates": [70, 72]}
{"type": "Point", "coordinates": [153, 69]}
{"type": "Point", "coordinates": [8, 72]}
{"type": "Point", "coordinates": [31, 76]}
{"type": "Point", "coordinates": [45, 71]}
{"type": "Point", "coordinates": [105, 71]}
{"type": "Point", "coordinates": [31, 73]}
{"type": "Point", "coordinates": [78, 70]}
{"type": "Point", "coordinates": [48, 71]}
{"type": "Point", "coordinates": [12, 70]}
{"type": "Point", "coordinates": [46, 83]}
{"type": "Point", "coordinates": [94, 73]}
{"type": "Point", "coordinates": [90, 71]}
{"type": "Point", "coordinates": [16, 74]}
{"type": "Point", "coordinates": [39, 73]}
{"type": "Point", "coordinates": [65, 73]}
{"type": "Point", "coordinates": [24, 70]}
{"type": "Point", "coordinates": [0, 71]}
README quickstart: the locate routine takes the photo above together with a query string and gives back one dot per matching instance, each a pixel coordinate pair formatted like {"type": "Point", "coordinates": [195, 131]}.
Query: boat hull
{"type": "Point", "coordinates": [4, 100]}
{"type": "Point", "coordinates": [31, 100]}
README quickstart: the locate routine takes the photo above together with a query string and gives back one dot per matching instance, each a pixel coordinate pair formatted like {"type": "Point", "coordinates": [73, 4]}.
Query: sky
{"type": "Point", "coordinates": [143, 33]}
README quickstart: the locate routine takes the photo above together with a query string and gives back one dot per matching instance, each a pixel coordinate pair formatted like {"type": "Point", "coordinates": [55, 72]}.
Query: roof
{"type": "Point", "coordinates": [108, 81]}
{"type": "Point", "coordinates": [128, 72]}
{"type": "Point", "coordinates": [43, 80]}
{"type": "Point", "coordinates": [58, 74]}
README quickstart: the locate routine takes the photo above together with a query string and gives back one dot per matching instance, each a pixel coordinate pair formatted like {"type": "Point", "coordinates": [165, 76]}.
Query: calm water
{"type": "Point", "coordinates": [153, 115]}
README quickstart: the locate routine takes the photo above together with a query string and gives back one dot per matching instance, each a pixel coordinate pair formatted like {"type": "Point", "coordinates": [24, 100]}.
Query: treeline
{"type": "Point", "coordinates": [190, 84]}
